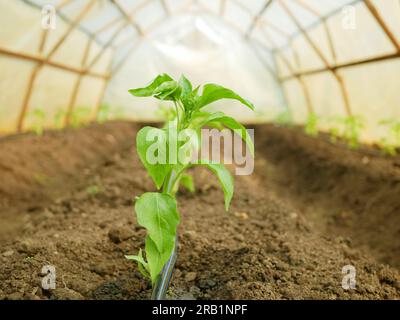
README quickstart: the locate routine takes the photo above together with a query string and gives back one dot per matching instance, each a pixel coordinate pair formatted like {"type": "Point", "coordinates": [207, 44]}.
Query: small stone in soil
{"type": "Point", "coordinates": [8, 253]}
{"type": "Point", "coordinates": [15, 296]}
{"type": "Point", "coordinates": [119, 234]}
{"type": "Point", "coordinates": [365, 160]}
{"type": "Point", "coordinates": [241, 215]}
{"type": "Point", "coordinates": [103, 269]}
{"type": "Point", "coordinates": [65, 294]}
{"type": "Point", "coordinates": [102, 225]}
{"type": "Point", "coordinates": [293, 215]}
{"type": "Point", "coordinates": [28, 247]}
{"type": "Point", "coordinates": [207, 283]}
{"type": "Point", "coordinates": [190, 276]}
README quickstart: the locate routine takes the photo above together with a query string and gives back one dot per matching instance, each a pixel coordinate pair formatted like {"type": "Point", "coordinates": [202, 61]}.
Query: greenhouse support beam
{"type": "Point", "coordinates": [44, 61]}
{"type": "Point", "coordinates": [33, 58]}
{"type": "Point", "coordinates": [107, 46]}
{"type": "Point", "coordinates": [75, 90]}
{"type": "Point", "coordinates": [166, 7]}
{"type": "Point", "coordinates": [375, 13]}
{"type": "Point", "coordinates": [109, 43]}
{"type": "Point", "coordinates": [275, 73]}
{"type": "Point", "coordinates": [104, 88]}
{"type": "Point", "coordinates": [316, 23]}
{"type": "Point", "coordinates": [303, 85]}
{"type": "Point", "coordinates": [260, 20]}
{"type": "Point", "coordinates": [222, 8]}
{"type": "Point", "coordinates": [338, 77]}
{"type": "Point", "coordinates": [127, 17]}
{"type": "Point", "coordinates": [113, 22]}
{"type": "Point", "coordinates": [65, 19]}
{"type": "Point", "coordinates": [285, 94]}
{"type": "Point", "coordinates": [136, 45]}
{"type": "Point", "coordinates": [275, 28]}
{"type": "Point", "coordinates": [319, 52]}
{"type": "Point", "coordinates": [150, 27]}
{"type": "Point", "coordinates": [258, 17]}
{"type": "Point", "coordinates": [342, 66]}
{"type": "Point", "coordinates": [264, 63]}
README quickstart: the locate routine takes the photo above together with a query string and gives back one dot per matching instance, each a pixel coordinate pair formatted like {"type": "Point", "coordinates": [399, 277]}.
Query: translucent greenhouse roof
{"type": "Point", "coordinates": [331, 57]}
{"type": "Point", "coordinates": [133, 18]}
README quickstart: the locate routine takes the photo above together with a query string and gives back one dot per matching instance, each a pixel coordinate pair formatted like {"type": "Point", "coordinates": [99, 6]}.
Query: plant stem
{"type": "Point", "coordinates": [161, 286]}
{"type": "Point", "coordinates": [177, 114]}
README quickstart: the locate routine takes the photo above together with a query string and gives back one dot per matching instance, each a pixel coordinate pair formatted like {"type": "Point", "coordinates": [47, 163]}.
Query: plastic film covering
{"type": "Point", "coordinates": [334, 58]}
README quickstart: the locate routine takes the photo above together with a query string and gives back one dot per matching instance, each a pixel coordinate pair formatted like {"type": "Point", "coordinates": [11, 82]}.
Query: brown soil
{"type": "Point", "coordinates": [309, 209]}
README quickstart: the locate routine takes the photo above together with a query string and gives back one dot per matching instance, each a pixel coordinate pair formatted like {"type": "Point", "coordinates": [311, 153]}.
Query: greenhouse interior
{"type": "Point", "coordinates": [200, 150]}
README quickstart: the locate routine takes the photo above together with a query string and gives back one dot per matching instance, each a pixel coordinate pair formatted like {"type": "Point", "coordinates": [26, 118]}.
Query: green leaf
{"type": "Point", "coordinates": [232, 124]}
{"type": "Point", "coordinates": [188, 97]}
{"type": "Point", "coordinates": [142, 264]}
{"type": "Point", "coordinates": [156, 260]}
{"type": "Point", "coordinates": [157, 212]}
{"type": "Point", "coordinates": [149, 90]}
{"type": "Point", "coordinates": [151, 145]}
{"type": "Point", "coordinates": [185, 84]}
{"type": "Point", "coordinates": [224, 177]}
{"type": "Point", "coordinates": [213, 92]}
{"type": "Point", "coordinates": [187, 182]}
{"type": "Point", "coordinates": [169, 90]}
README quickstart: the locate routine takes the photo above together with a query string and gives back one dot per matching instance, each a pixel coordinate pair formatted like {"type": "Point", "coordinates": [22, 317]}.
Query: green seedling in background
{"type": "Point", "coordinates": [59, 118]}
{"type": "Point", "coordinates": [39, 117]}
{"type": "Point", "coordinates": [311, 126]}
{"type": "Point", "coordinates": [391, 143]}
{"type": "Point", "coordinates": [352, 126]}
{"type": "Point", "coordinates": [334, 134]}
{"type": "Point", "coordinates": [284, 119]}
{"type": "Point", "coordinates": [157, 211]}
{"type": "Point", "coordinates": [104, 113]}
{"type": "Point", "coordinates": [79, 116]}
{"type": "Point", "coordinates": [93, 190]}
{"type": "Point", "coordinates": [348, 129]}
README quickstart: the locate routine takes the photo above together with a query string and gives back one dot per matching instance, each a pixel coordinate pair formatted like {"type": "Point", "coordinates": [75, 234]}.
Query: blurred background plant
{"type": "Point", "coordinates": [79, 116]}
{"type": "Point", "coordinates": [311, 126]}
{"type": "Point", "coordinates": [391, 143]}
{"type": "Point", "coordinates": [284, 119]}
{"type": "Point", "coordinates": [38, 118]}
{"type": "Point", "coordinates": [347, 128]}
{"type": "Point", "coordinates": [59, 118]}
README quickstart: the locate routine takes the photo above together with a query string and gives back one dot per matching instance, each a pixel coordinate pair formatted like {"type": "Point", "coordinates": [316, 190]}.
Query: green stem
{"type": "Point", "coordinates": [169, 182]}
{"type": "Point", "coordinates": [177, 114]}
{"type": "Point", "coordinates": [161, 285]}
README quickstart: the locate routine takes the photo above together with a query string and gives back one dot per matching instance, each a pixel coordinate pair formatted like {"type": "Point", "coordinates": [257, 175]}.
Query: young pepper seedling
{"type": "Point", "coordinates": [166, 158]}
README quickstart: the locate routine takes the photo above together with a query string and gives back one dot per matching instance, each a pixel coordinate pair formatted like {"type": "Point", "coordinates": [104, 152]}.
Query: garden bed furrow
{"type": "Point", "coordinates": [268, 246]}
